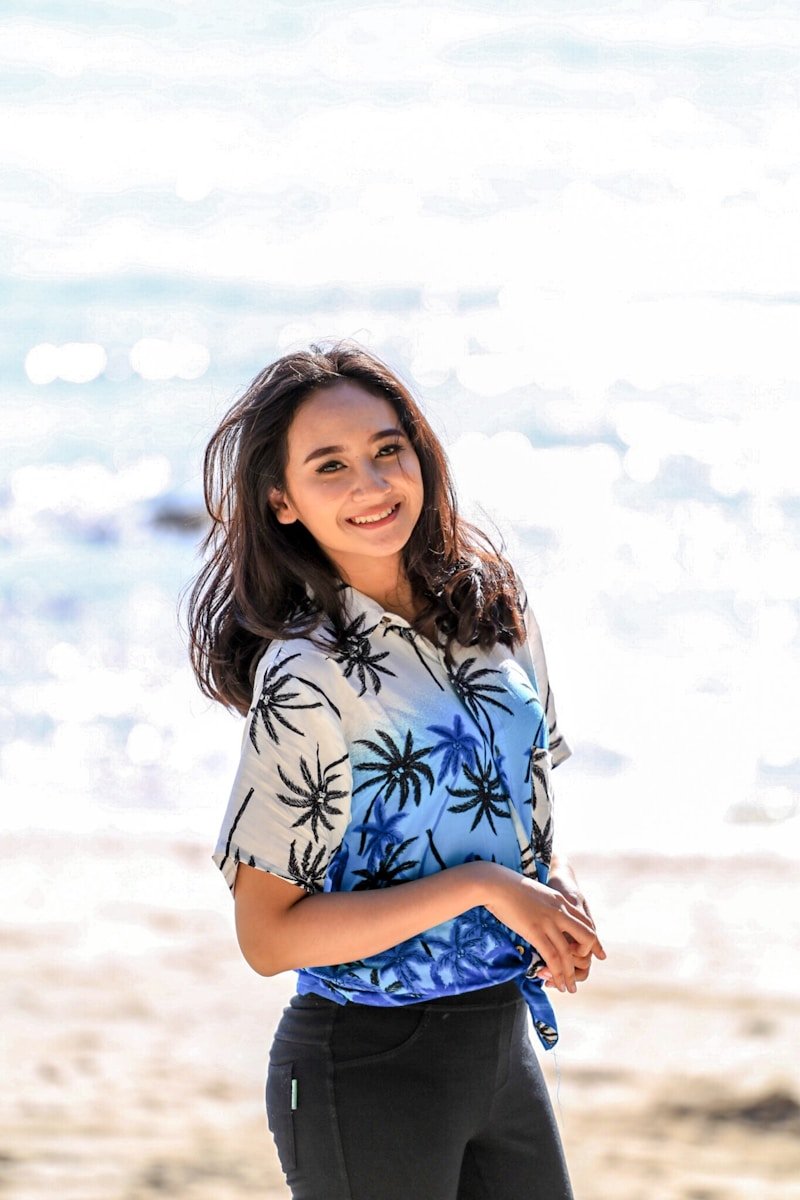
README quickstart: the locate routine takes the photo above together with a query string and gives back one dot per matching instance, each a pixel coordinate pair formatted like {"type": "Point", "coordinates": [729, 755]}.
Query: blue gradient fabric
{"type": "Point", "coordinates": [371, 764]}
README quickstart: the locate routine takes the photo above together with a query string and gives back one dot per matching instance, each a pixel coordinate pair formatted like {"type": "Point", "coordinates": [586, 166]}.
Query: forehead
{"type": "Point", "coordinates": [338, 415]}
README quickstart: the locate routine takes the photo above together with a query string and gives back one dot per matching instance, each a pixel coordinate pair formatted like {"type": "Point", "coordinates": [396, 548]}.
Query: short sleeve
{"type": "Point", "coordinates": [290, 801]}
{"type": "Point", "coordinates": [559, 748]}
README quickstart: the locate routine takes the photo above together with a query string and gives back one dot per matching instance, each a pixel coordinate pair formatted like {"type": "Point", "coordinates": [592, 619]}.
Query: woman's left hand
{"type": "Point", "coordinates": [561, 878]}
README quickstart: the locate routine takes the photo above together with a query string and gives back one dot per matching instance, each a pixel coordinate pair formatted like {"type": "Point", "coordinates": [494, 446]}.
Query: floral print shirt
{"type": "Point", "coordinates": [372, 764]}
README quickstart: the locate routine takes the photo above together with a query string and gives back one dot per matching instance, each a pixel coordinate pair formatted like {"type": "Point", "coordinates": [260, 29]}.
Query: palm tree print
{"type": "Point", "coordinates": [355, 649]}
{"type": "Point", "coordinates": [338, 989]}
{"type": "Point", "coordinates": [232, 829]}
{"type": "Point", "coordinates": [237, 858]}
{"type": "Point", "coordinates": [442, 864]}
{"type": "Point", "coordinates": [474, 691]}
{"type": "Point", "coordinates": [378, 833]}
{"type": "Point", "coordinates": [542, 800]}
{"type": "Point", "coordinates": [540, 741]}
{"type": "Point", "coordinates": [462, 956]}
{"type": "Point", "coordinates": [310, 872]}
{"type": "Point", "coordinates": [387, 871]}
{"type": "Point", "coordinates": [528, 860]}
{"type": "Point", "coordinates": [533, 966]}
{"type": "Point", "coordinates": [486, 795]}
{"type": "Point", "coordinates": [352, 969]}
{"type": "Point", "coordinates": [543, 841]}
{"type": "Point", "coordinates": [275, 697]}
{"type": "Point", "coordinates": [426, 796]}
{"type": "Point", "coordinates": [403, 960]}
{"type": "Point", "coordinates": [540, 784]}
{"type": "Point", "coordinates": [481, 928]}
{"type": "Point", "coordinates": [375, 977]}
{"type": "Point", "coordinates": [546, 1032]}
{"type": "Point", "coordinates": [396, 770]}
{"type": "Point", "coordinates": [529, 758]}
{"type": "Point", "coordinates": [316, 796]}
{"type": "Point", "coordinates": [535, 857]}
{"type": "Point", "coordinates": [456, 747]}
{"type": "Point", "coordinates": [337, 867]}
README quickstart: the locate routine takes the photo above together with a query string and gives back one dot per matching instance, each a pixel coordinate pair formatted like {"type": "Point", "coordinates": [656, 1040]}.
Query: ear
{"type": "Point", "coordinates": [282, 508]}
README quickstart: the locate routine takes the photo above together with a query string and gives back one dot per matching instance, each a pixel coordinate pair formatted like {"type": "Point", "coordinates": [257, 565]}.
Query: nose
{"type": "Point", "coordinates": [370, 479]}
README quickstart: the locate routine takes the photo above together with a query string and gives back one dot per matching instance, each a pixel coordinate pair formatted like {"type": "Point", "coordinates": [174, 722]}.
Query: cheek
{"type": "Point", "coordinates": [419, 481]}
{"type": "Point", "coordinates": [325, 487]}
{"type": "Point", "coordinates": [410, 467]}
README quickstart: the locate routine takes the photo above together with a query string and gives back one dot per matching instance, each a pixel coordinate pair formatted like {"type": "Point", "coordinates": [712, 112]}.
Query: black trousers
{"type": "Point", "coordinates": [442, 1100]}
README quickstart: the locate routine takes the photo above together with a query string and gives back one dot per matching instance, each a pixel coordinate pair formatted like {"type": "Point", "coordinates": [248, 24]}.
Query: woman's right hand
{"type": "Point", "coordinates": [560, 930]}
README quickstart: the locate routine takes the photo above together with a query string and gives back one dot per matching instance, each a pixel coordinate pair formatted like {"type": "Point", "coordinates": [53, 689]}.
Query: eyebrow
{"type": "Point", "coordinates": [324, 451]}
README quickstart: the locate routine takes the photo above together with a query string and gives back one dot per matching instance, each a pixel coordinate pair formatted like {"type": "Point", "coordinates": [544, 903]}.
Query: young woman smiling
{"type": "Point", "coordinates": [389, 831]}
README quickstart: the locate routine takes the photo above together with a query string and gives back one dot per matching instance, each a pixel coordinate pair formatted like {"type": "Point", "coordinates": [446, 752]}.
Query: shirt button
{"type": "Point", "coordinates": [520, 949]}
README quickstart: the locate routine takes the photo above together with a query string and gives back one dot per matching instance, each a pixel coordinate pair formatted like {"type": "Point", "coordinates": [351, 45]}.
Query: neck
{"type": "Point", "coordinates": [389, 588]}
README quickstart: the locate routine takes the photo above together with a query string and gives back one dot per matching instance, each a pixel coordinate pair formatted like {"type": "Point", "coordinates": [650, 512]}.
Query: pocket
{"type": "Point", "coordinates": [365, 1034]}
{"type": "Point", "coordinates": [281, 1103]}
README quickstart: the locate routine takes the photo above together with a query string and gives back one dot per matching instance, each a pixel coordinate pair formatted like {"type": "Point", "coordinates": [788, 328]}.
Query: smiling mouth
{"type": "Point", "coordinates": [381, 518]}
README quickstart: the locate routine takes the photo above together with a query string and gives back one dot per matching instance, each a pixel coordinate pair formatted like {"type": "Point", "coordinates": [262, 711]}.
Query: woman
{"type": "Point", "coordinates": [389, 830]}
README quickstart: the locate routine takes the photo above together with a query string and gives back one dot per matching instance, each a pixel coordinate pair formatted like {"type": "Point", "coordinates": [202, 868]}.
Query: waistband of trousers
{"type": "Point", "coordinates": [497, 996]}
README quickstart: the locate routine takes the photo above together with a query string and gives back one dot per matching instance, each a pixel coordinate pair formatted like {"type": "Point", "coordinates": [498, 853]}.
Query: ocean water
{"type": "Point", "coordinates": [571, 227]}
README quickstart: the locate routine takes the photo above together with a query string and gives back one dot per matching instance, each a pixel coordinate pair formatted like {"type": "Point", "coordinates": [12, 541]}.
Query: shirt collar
{"type": "Point", "coordinates": [358, 604]}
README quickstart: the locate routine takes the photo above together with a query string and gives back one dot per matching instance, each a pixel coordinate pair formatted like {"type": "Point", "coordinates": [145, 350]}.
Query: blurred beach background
{"type": "Point", "coordinates": [572, 227]}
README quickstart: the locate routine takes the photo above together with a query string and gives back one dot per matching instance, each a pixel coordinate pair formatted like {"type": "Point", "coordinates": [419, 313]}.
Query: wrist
{"type": "Point", "coordinates": [489, 883]}
{"type": "Point", "coordinates": [562, 873]}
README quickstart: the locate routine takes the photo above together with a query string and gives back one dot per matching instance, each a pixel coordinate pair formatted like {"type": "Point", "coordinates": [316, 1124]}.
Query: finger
{"type": "Point", "coordinates": [584, 938]}
{"type": "Point", "coordinates": [580, 977]}
{"type": "Point", "coordinates": [597, 950]}
{"type": "Point", "coordinates": [586, 912]}
{"type": "Point", "coordinates": [572, 913]}
{"type": "Point", "coordinates": [574, 907]}
{"type": "Point", "coordinates": [559, 959]}
{"type": "Point", "coordinates": [582, 968]}
{"type": "Point", "coordinates": [554, 965]}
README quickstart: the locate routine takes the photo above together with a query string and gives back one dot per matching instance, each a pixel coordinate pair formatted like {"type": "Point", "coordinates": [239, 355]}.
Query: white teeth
{"type": "Point", "coordinates": [370, 520]}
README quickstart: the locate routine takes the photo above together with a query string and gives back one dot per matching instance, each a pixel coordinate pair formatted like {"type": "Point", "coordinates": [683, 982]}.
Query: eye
{"type": "Point", "coordinates": [329, 468]}
{"type": "Point", "coordinates": [391, 448]}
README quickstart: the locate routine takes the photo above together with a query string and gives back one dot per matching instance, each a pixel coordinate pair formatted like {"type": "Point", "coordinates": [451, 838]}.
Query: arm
{"type": "Point", "coordinates": [281, 928]}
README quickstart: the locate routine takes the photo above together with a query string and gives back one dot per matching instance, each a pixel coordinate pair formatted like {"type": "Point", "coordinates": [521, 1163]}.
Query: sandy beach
{"type": "Point", "coordinates": [135, 1037]}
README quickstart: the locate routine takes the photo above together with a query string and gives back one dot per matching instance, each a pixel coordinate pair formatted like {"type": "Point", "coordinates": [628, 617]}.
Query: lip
{"type": "Point", "coordinates": [376, 524]}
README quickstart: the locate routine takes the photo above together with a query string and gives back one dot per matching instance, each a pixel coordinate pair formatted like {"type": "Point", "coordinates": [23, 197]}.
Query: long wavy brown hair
{"type": "Point", "coordinates": [252, 587]}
